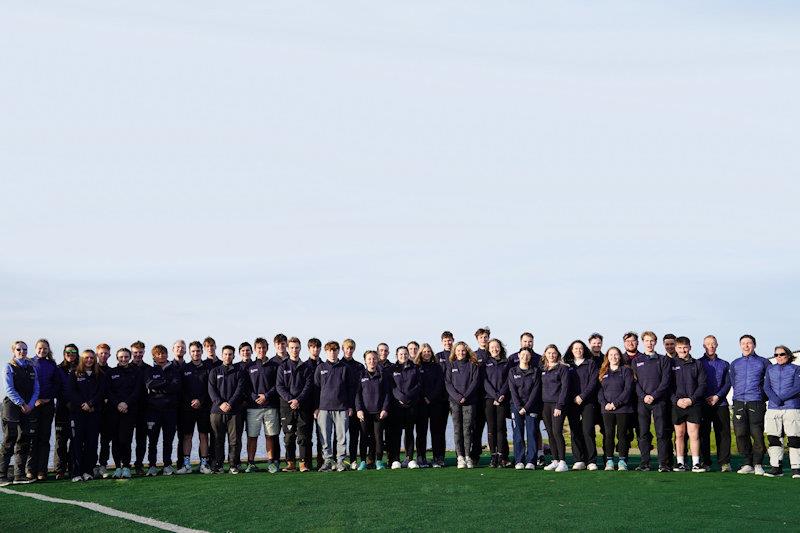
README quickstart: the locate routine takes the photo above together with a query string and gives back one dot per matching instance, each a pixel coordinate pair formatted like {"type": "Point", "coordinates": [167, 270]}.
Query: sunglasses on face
{"type": "Point", "coordinates": [782, 354]}
{"type": "Point", "coordinates": [70, 353]}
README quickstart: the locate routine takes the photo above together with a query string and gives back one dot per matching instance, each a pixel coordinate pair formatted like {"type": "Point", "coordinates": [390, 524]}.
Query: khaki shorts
{"type": "Point", "coordinates": [268, 417]}
{"type": "Point", "coordinates": [787, 420]}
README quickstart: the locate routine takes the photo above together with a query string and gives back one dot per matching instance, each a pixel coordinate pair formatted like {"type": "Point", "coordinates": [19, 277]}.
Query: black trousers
{"type": "Point", "coordinates": [17, 439]}
{"type": "Point", "coordinates": [659, 412]}
{"type": "Point", "coordinates": [160, 422]}
{"type": "Point", "coordinates": [616, 423]}
{"type": "Point", "coordinates": [357, 445]}
{"type": "Point", "coordinates": [372, 428]}
{"type": "Point", "coordinates": [438, 426]}
{"type": "Point", "coordinates": [141, 435]}
{"type": "Point", "coordinates": [555, 431]}
{"type": "Point", "coordinates": [401, 422]}
{"type": "Point", "coordinates": [296, 425]}
{"type": "Point", "coordinates": [477, 435]}
{"type": "Point", "coordinates": [107, 426]}
{"type": "Point", "coordinates": [229, 425]}
{"type": "Point", "coordinates": [581, 428]}
{"type": "Point", "coordinates": [40, 446]}
{"type": "Point", "coordinates": [748, 425]}
{"type": "Point", "coordinates": [421, 426]}
{"type": "Point", "coordinates": [496, 427]}
{"type": "Point", "coordinates": [718, 417]}
{"type": "Point", "coordinates": [62, 460]}
{"type": "Point", "coordinates": [179, 433]}
{"type": "Point", "coordinates": [122, 434]}
{"type": "Point", "coordinates": [85, 432]}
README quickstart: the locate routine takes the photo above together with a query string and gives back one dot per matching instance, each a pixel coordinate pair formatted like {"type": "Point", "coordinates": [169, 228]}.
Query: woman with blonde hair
{"type": "Point", "coordinates": [432, 409]}
{"type": "Point", "coordinates": [461, 382]}
{"type": "Point", "coordinates": [555, 387]}
{"type": "Point", "coordinates": [86, 392]}
{"type": "Point", "coordinates": [47, 374]}
{"type": "Point", "coordinates": [616, 407]}
{"type": "Point", "coordinates": [22, 391]}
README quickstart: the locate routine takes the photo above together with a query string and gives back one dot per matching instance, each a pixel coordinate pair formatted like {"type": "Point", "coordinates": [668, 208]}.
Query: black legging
{"type": "Point", "coordinates": [581, 428]}
{"type": "Point", "coordinates": [616, 422]}
{"type": "Point", "coordinates": [438, 423]}
{"type": "Point", "coordinates": [357, 445]}
{"type": "Point", "coordinates": [555, 431]}
{"type": "Point", "coordinates": [402, 422]}
{"type": "Point", "coordinates": [371, 430]}
{"type": "Point", "coordinates": [423, 419]}
{"type": "Point", "coordinates": [496, 428]}
{"type": "Point", "coordinates": [122, 435]}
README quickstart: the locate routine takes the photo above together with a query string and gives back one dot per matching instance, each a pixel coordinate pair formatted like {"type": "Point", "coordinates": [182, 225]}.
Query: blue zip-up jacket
{"type": "Point", "coordinates": [495, 382]}
{"type": "Point", "coordinates": [747, 378]}
{"type": "Point", "coordinates": [294, 382]}
{"type": "Point", "coordinates": [123, 385]}
{"type": "Point", "coordinates": [584, 382]}
{"type": "Point", "coordinates": [227, 384]}
{"type": "Point", "coordinates": [616, 388]}
{"type": "Point", "coordinates": [462, 380]}
{"type": "Point", "coordinates": [653, 376]}
{"type": "Point", "coordinates": [688, 381]}
{"type": "Point", "coordinates": [86, 389]}
{"type": "Point", "coordinates": [47, 374]}
{"type": "Point", "coordinates": [432, 376]}
{"type": "Point", "coordinates": [782, 386]}
{"type": "Point", "coordinates": [332, 381]}
{"type": "Point", "coordinates": [194, 385]}
{"type": "Point", "coordinates": [718, 378]}
{"type": "Point", "coordinates": [262, 379]}
{"type": "Point", "coordinates": [374, 391]}
{"type": "Point", "coordinates": [163, 386]}
{"type": "Point", "coordinates": [525, 387]}
{"type": "Point", "coordinates": [25, 377]}
{"type": "Point", "coordinates": [406, 386]}
{"type": "Point", "coordinates": [555, 385]}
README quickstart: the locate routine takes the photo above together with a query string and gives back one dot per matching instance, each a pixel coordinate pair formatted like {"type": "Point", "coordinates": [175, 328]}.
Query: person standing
{"type": "Point", "coordinates": [582, 405]}
{"type": "Point", "coordinates": [525, 389]}
{"type": "Point", "coordinates": [715, 409]}
{"type": "Point", "coordinates": [137, 359]}
{"type": "Point", "coordinates": [653, 374]}
{"type": "Point", "coordinates": [162, 381]}
{"type": "Point", "coordinates": [749, 405]}
{"type": "Point", "coordinates": [688, 394]}
{"type": "Point", "coordinates": [47, 374]}
{"type": "Point", "coordinates": [62, 456]}
{"type": "Point", "coordinates": [123, 388]}
{"type": "Point", "coordinates": [616, 405]}
{"type": "Point", "coordinates": [226, 388]}
{"type": "Point", "coordinates": [86, 393]}
{"type": "Point", "coordinates": [314, 346]}
{"type": "Point", "coordinates": [482, 336]}
{"type": "Point", "coordinates": [461, 380]}
{"type": "Point", "coordinates": [496, 403]}
{"type": "Point", "coordinates": [406, 389]}
{"type": "Point", "coordinates": [372, 409]}
{"type": "Point", "coordinates": [195, 408]}
{"type": "Point", "coordinates": [263, 411]}
{"type": "Point", "coordinates": [333, 410]}
{"type": "Point", "coordinates": [782, 387]}
{"type": "Point", "coordinates": [433, 408]}
{"type": "Point", "coordinates": [555, 391]}
{"type": "Point", "coordinates": [22, 392]}
{"type": "Point", "coordinates": [294, 387]}
{"type": "Point", "coordinates": [358, 447]}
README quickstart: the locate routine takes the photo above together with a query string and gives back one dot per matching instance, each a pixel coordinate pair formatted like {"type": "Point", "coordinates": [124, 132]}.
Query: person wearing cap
{"type": "Point", "coordinates": [782, 387]}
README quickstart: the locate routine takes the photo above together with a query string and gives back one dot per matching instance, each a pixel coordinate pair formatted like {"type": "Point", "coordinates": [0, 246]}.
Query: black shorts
{"type": "Point", "coordinates": [195, 417]}
{"type": "Point", "coordinates": [691, 414]}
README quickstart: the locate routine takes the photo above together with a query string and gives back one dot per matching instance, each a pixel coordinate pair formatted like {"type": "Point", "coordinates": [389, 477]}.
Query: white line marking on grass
{"type": "Point", "coordinates": [110, 511]}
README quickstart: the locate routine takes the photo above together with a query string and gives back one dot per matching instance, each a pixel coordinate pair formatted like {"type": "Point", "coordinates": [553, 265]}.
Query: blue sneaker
{"type": "Point", "coordinates": [362, 466]}
{"type": "Point", "coordinates": [379, 465]}
{"type": "Point", "coordinates": [622, 465]}
{"type": "Point", "coordinates": [609, 465]}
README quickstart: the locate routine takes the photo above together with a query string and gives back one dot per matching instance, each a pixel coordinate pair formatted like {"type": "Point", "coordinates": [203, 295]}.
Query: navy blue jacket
{"type": "Point", "coordinates": [432, 376]}
{"type": "Point", "coordinates": [462, 380]}
{"type": "Point", "coordinates": [294, 382]}
{"type": "Point", "coordinates": [123, 385]}
{"type": "Point", "coordinates": [525, 387]}
{"type": "Point", "coordinates": [718, 378]}
{"type": "Point", "coordinates": [65, 371]}
{"type": "Point", "coordinates": [555, 385]}
{"type": "Point", "coordinates": [616, 388]}
{"type": "Point", "coordinates": [374, 391]}
{"type": "Point", "coordinates": [536, 360]}
{"type": "Point", "coordinates": [227, 384]}
{"type": "Point", "coordinates": [782, 386]}
{"type": "Point", "coordinates": [332, 381]}
{"type": "Point", "coordinates": [584, 382]}
{"type": "Point", "coordinates": [354, 369]}
{"type": "Point", "coordinates": [163, 386]}
{"type": "Point", "coordinates": [86, 389]}
{"type": "Point", "coordinates": [653, 376]}
{"type": "Point", "coordinates": [262, 379]}
{"type": "Point", "coordinates": [495, 382]}
{"type": "Point", "coordinates": [194, 385]}
{"type": "Point", "coordinates": [443, 358]}
{"type": "Point", "coordinates": [747, 378]}
{"type": "Point", "coordinates": [406, 386]}
{"type": "Point", "coordinates": [482, 356]}
{"type": "Point", "coordinates": [689, 380]}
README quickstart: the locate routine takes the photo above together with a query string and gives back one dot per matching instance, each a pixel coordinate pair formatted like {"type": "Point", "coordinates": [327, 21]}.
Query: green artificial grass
{"type": "Point", "coordinates": [481, 499]}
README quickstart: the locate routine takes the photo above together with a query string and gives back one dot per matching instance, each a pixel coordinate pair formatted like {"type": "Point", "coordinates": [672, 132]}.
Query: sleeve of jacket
{"type": "Point", "coordinates": [724, 383]}
{"type": "Point", "coordinates": [515, 399]}
{"type": "Point", "coordinates": [272, 391]}
{"type": "Point", "coordinates": [700, 390]}
{"type": "Point", "coordinates": [307, 391]}
{"type": "Point", "coordinates": [415, 390]}
{"type": "Point", "coordinates": [386, 384]}
{"type": "Point", "coordinates": [488, 386]}
{"type": "Point", "coordinates": [241, 388]}
{"type": "Point", "coordinates": [774, 399]}
{"type": "Point", "coordinates": [359, 397]}
{"type": "Point", "coordinates": [474, 381]}
{"type": "Point", "coordinates": [591, 385]}
{"type": "Point", "coordinates": [601, 396]}
{"type": "Point", "coordinates": [666, 378]}
{"type": "Point", "coordinates": [563, 376]}
{"type": "Point", "coordinates": [100, 395]}
{"type": "Point", "coordinates": [281, 384]}
{"type": "Point", "coordinates": [625, 395]}
{"type": "Point", "coordinates": [504, 385]}
{"type": "Point", "coordinates": [639, 389]}
{"type": "Point", "coordinates": [448, 385]}
{"type": "Point", "coordinates": [213, 392]}
{"type": "Point", "coordinates": [136, 393]}
{"type": "Point", "coordinates": [536, 392]}
{"type": "Point", "coordinates": [794, 388]}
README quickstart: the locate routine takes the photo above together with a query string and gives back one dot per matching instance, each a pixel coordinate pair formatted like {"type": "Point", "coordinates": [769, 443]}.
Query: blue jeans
{"type": "Point", "coordinates": [524, 433]}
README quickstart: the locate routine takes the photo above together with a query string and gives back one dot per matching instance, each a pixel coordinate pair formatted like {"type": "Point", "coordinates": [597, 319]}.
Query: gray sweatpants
{"type": "Point", "coordinates": [333, 425]}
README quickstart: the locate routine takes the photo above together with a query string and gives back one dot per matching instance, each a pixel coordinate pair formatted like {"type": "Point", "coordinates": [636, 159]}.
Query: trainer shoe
{"type": "Point", "coordinates": [98, 471]}
{"type": "Point", "coordinates": [272, 468]}
{"type": "Point", "coordinates": [680, 467]}
{"type": "Point", "coordinates": [362, 466]}
{"type": "Point", "coordinates": [591, 466]}
{"type": "Point", "coordinates": [396, 465]}
{"type": "Point", "coordinates": [725, 468]}
{"type": "Point", "coordinates": [87, 477]}
{"type": "Point", "coordinates": [469, 462]}
{"type": "Point", "coordinates": [341, 467]}
{"type": "Point", "coordinates": [609, 465]}
{"type": "Point", "coordinates": [168, 470]}
{"type": "Point", "coordinates": [775, 471]}
{"type": "Point", "coordinates": [643, 467]}
{"type": "Point", "coordinates": [233, 470]}
{"type": "Point", "coordinates": [461, 462]}
{"type": "Point", "coordinates": [664, 468]}
{"type": "Point", "coordinates": [352, 464]}
{"type": "Point", "coordinates": [541, 462]}
{"type": "Point", "coordinates": [140, 470]}
{"type": "Point", "coordinates": [494, 462]}
{"type": "Point", "coordinates": [795, 473]}
{"type": "Point", "coordinates": [439, 463]}
{"type": "Point", "coordinates": [745, 469]}
{"type": "Point", "coordinates": [327, 466]}
{"type": "Point", "coordinates": [699, 468]}
{"type": "Point", "coordinates": [413, 465]}
{"type": "Point", "coordinates": [74, 480]}
{"type": "Point", "coordinates": [405, 462]}
{"type": "Point", "coordinates": [204, 468]}
{"type": "Point", "coordinates": [622, 465]}
{"type": "Point", "coordinates": [104, 472]}
{"type": "Point", "coordinates": [758, 470]}
{"type": "Point", "coordinates": [552, 466]}
{"type": "Point", "coordinates": [152, 471]}
{"type": "Point", "coordinates": [379, 465]}
{"type": "Point", "coordinates": [562, 467]}
{"type": "Point", "coordinates": [126, 473]}
{"type": "Point", "coordinates": [530, 466]}
{"type": "Point", "coordinates": [117, 474]}
{"type": "Point", "coordinates": [23, 481]}
{"type": "Point", "coordinates": [290, 467]}
{"type": "Point", "coordinates": [519, 466]}
{"type": "Point", "coordinates": [580, 465]}
{"type": "Point", "coordinates": [304, 467]}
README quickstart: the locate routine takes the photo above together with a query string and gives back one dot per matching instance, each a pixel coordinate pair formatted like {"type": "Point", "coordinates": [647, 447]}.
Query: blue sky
{"type": "Point", "coordinates": [384, 172]}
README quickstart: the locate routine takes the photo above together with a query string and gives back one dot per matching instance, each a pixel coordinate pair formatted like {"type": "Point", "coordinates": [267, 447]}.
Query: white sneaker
{"type": "Point", "coordinates": [609, 465]}
{"type": "Point", "coordinates": [552, 466]}
{"type": "Point", "coordinates": [87, 477]}
{"type": "Point", "coordinates": [152, 471]}
{"type": "Point", "coordinates": [746, 469]}
{"type": "Point", "coordinates": [396, 465]}
{"type": "Point", "coordinates": [519, 466]}
{"type": "Point", "coordinates": [530, 466]}
{"type": "Point", "coordinates": [354, 465]}
{"type": "Point", "coordinates": [460, 462]}
{"type": "Point", "coordinates": [562, 467]}
{"type": "Point", "coordinates": [76, 479]}
{"type": "Point", "coordinates": [580, 465]}
{"type": "Point", "coordinates": [759, 470]}
{"type": "Point", "coordinates": [591, 466]}
{"type": "Point", "coordinates": [117, 473]}
{"type": "Point", "coordinates": [413, 464]}
{"type": "Point", "coordinates": [168, 470]}
{"type": "Point", "coordinates": [468, 460]}
{"type": "Point", "coordinates": [204, 469]}
{"type": "Point", "coordinates": [104, 473]}
{"type": "Point", "coordinates": [184, 470]}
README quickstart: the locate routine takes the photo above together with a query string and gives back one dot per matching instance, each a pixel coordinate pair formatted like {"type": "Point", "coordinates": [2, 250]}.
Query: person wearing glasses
{"type": "Point", "coordinates": [782, 387]}
{"type": "Point", "coordinates": [62, 458]}
{"type": "Point", "coordinates": [22, 391]}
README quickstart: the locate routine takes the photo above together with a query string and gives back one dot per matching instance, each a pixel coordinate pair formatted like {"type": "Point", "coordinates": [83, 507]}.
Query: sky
{"type": "Point", "coordinates": [385, 171]}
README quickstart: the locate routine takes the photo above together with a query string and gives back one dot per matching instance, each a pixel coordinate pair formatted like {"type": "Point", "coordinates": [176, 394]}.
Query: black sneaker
{"type": "Point", "coordinates": [541, 462]}
{"type": "Point", "coordinates": [643, 467]}
{"type": "Point", "coordinates": [493, 463]}
{"type": "Point", "coordinates": [665, 468]}
{"type": "Point", "coordinates": [140, 470]}
{"type": "Point", "coordinates": [680, 467]}
{"type": "Point", "coordinates": [775, 471]}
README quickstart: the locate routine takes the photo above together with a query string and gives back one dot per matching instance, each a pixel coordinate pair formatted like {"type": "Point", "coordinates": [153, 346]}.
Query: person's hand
{"type": "Point", "coordinates": [714, 400]}
{"type": "Point", "coordinates": [556, 412]}
{"type": "Point", "coordinates": [360, 415]}
{"type": "Point", "coordinates": [195, 404]}
{"type": "Point", "coordinates": [427, 401]}
{"type": "Point", "coordinates": [86, 407]}
{"type": "Point", "coordinates": [522, 412]}
{"type": "Point", "coordinates": [261, 399]}
{"type": "Point", "coordinates": [578, 400]}
{"type": "Point", "coordinates": [122, 407]}
{"type": "Point", "coordinates": [461, 401]}
{"type": "Point", "coordinates": [501, 399]}
{"type": "Point", "coordinates": [316, 413]}
{"type": "Point", "coordinates": [383, 415]}
{"type": "Point", "coordinates": [609, 406]}
{"type": "Point", "coordinates": [350, 412]}
{"type": "Point", "coordinates": [25, 408]}
{"type": "Point", "coordinates": [225, 407]}
{"type": "Point", "coordinates": [648, 399]}
{"type": "Point", "coordinates": [294, 404]}
{"type": "Point", "coordinates": [495, 402]}
{"type": "Point", "coordinates": [39, 402]}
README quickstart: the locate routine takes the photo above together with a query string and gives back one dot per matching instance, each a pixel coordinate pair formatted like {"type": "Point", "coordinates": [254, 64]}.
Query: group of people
{"type": "Point", "coordinates": [357, 413]}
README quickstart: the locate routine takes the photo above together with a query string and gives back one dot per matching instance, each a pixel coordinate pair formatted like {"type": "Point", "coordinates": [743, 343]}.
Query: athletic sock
{"type": "Point", "coordinates": [775, 455]}
{"type": "Point", "coordinates": [695, 460]}
{"type": "Point", "coordinates": [679, 459]}
{"type": "Point", "coordinates": [794, 457]}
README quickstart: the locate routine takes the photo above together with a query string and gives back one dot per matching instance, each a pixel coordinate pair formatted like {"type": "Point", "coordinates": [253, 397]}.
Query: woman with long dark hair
{"type": "Point", "coordinates": [555, 389]}
{"type": "Point", "coordinates": [496, 403]}
{"type": "Point", "coordinates": [62, 458]}
{"type": "Point", "coordinates": [582, 405]}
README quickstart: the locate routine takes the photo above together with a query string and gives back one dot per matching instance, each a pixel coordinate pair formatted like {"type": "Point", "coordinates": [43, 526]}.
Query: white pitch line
{"type": "Point", "coordinates": [107, 511]}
